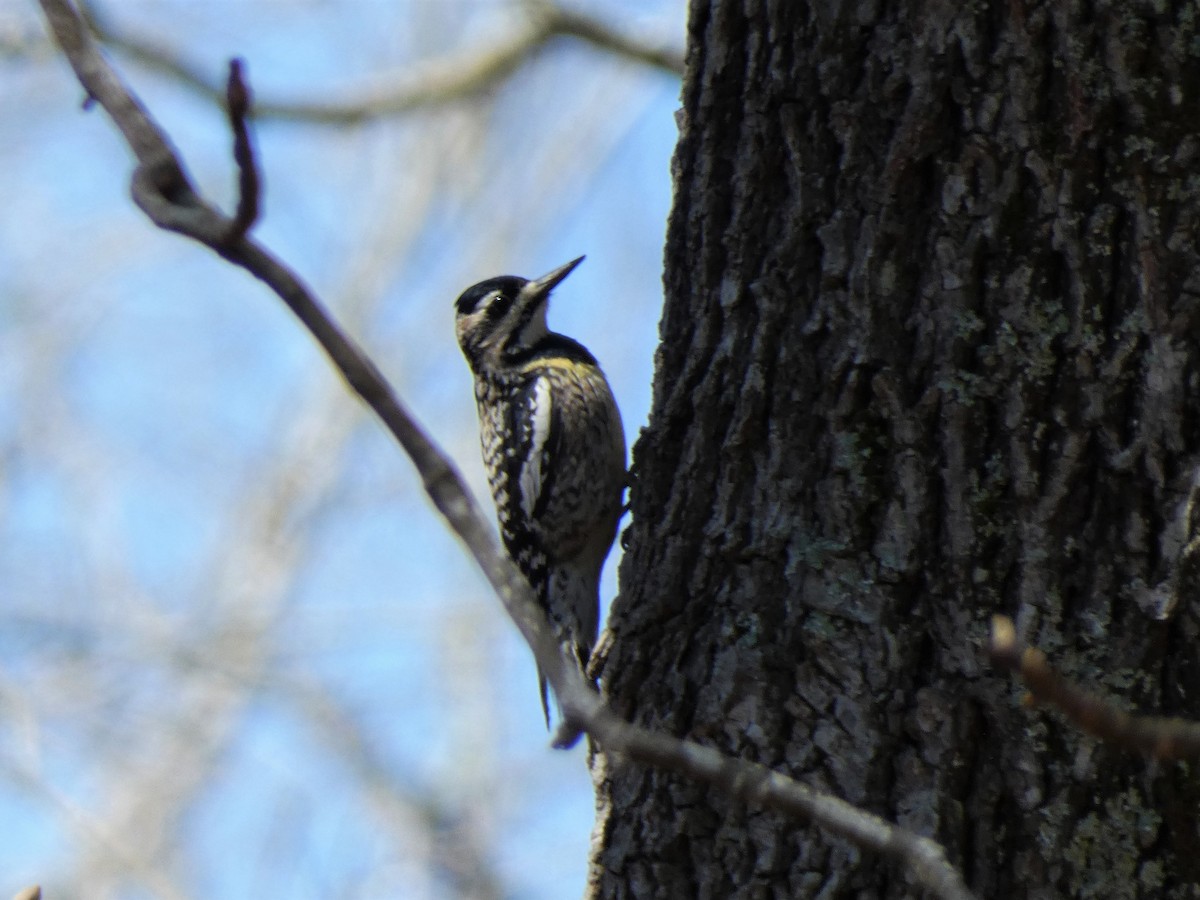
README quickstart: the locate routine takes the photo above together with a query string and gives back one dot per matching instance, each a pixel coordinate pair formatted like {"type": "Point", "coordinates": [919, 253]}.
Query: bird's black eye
{"type": "Point", "coordinates": [498, 306]}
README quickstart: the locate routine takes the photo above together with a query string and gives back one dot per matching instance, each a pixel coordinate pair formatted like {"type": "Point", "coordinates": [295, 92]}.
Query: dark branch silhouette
{"type": "Point", "coordinates": [237, 101]}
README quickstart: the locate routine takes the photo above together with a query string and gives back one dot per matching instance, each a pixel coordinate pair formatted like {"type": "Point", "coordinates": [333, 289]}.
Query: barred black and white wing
{"type": "Point", "coordinates": [540, 424]}
{"type": "Point", "coordinates": [553, 447]}
{"type": "Point", "coordinates": [521, 436]}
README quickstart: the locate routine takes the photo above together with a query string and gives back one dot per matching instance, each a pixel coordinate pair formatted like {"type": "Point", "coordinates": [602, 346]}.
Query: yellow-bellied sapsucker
{"type": "Point", "coordinates": [553, 447]}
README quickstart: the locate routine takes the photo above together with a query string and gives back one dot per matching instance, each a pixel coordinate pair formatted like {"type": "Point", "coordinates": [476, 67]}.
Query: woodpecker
{"type": "Point", "coordinates": [553, 447]}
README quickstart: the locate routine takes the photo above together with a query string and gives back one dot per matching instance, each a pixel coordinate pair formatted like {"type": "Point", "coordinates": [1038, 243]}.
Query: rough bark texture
{"type": "Point", "coordinates": [930, 352]}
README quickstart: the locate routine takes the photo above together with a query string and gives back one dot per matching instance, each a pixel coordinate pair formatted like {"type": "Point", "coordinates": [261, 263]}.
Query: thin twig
{"type": "Point", "coordinates": [590, 30]}
{"type": "Point", "coordinates": [237, 96]}
{"type": "Point", "coordinates": [428, 84]}
{"type": "Point", "coordinates": [1161, 738]}
{"type": "Point", "coordinates": [161, 189]}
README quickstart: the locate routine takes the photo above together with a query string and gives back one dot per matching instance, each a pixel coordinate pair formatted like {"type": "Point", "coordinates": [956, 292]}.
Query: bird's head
{"type": "Point", "coordinates": [501, 317]}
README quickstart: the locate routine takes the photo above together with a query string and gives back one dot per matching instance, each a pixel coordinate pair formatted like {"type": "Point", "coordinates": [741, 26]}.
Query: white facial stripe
{"type": "Point", "coordinates": [535, 329]}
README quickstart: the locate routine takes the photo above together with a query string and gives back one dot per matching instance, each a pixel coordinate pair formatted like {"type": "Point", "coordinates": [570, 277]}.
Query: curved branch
{"type": "Point", "coordinates": [161, 189]}
{"type": "Point", "coordinates": [1161, 738]}
{"type": "Point", "coordinates": [590, 30]}
{"type": "Point", "coordinates": [427, 84]}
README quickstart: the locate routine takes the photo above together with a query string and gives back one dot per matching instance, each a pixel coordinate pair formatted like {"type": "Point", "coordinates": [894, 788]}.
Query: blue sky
{"type": "Point", "coordinates": [240, 649]}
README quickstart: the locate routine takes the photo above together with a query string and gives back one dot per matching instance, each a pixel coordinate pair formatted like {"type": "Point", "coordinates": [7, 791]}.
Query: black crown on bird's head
{"type": "Point", "coordinates": [506, 286]}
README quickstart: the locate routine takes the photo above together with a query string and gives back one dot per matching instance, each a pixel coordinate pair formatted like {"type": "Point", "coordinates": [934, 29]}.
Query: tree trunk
{"type": "Point", "coordinates": [929, 354]}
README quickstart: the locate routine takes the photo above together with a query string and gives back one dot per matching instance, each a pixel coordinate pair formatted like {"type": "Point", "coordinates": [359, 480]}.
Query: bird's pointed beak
{"type": "Point", "coordinates": [540, 287]}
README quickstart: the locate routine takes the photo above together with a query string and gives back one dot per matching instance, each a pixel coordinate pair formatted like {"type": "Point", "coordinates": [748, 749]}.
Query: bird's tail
{"type": "Point", "coordinates": [574, 607]}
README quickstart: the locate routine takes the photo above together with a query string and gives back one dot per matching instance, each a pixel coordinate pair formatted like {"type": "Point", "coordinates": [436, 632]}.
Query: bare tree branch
{"type": "Point", "coordinates": [572, 23]}
{"type": "Point", "coordinates": [162, 190]}
{"type": "Point", "coordinates": [429, 84]}
{"type": "Point", "coordinates": [237, 102]}
{"type": "Point", "coordinates": [924, 858]}
{"type": "Point", "coordinates": [1162, 738]}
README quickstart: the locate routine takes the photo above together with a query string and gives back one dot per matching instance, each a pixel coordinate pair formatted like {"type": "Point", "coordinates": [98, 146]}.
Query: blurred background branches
{"type": "Point", "coordinates": [240, 654]}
